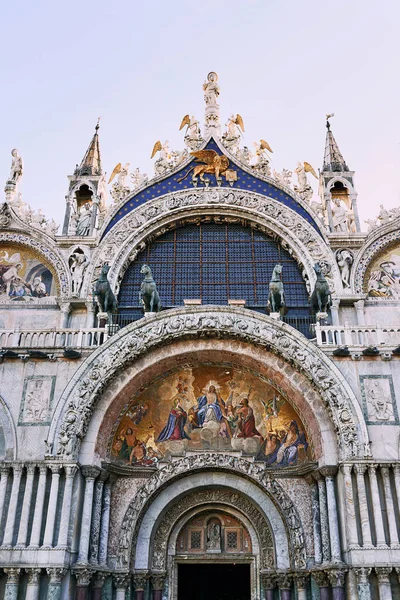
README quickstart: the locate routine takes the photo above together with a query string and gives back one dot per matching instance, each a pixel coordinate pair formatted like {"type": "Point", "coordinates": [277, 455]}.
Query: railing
{"type": "Point", "coordinates": [357, 335]}
{"type": "Point", "coordinates": [52, 338]}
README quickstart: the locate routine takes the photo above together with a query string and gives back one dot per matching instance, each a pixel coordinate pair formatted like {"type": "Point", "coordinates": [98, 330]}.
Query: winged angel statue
{"type": "Point", "coordinates": [213, 163]}
{"type": "Point", "coordinates": [303, 188]}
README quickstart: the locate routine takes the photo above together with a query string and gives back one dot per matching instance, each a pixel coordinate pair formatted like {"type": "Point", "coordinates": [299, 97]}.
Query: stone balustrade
{"type": "Point", "coordinates": [357, 336]}
{"type": "Point", "coordinates": [52, 338]}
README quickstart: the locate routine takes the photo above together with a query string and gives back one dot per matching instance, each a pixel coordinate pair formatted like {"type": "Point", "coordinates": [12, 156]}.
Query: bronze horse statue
{"type": "Point", "coordinates": [276, 297]}
{"type": "Point", "coordinates": [321, 299]}
{"type": "Point", "coordinates": [148, 294]}
{"type": "Point", "coordinates": [106, 300]}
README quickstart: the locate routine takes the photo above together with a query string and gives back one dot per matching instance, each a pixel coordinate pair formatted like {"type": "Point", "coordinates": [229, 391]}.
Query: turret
{"type": "Point", "coordinates": [85, 201]}
{"type": "Point", "coordinates": [336, 188]}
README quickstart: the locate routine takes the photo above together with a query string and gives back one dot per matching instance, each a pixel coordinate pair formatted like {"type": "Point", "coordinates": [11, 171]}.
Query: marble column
{"type": "Point", "coordinates": [32, 588]}
{"type": "Point", "coordinates": [301, 580]}
{"type": "Point", "coordinates": [96, 518]}
{"type": "Point", "coordinates": [335, 312]}
{"type": "Point", "coordinates": [66, 507]}
{"type": "Point", "coordinates": [359, 306]}
{"type": "Point", "coordinates": [394, 538]}
{"type": "Point", "coordinates": [12, 507]}
{"type": "Point", "coordinates": [83, 577]}
{"type": "Point", "coordinates": [90, 314]}
{"type": "Point", "coordinates": [322, 581]}
{"type": "Point", "coordinates": [323, 513]}
{"type": "Point", "coordinates": [26, 507]}
{"type": "Point", "coordinates": [351, 524]}
{"type": "Point", "coordinates": [105, 520]}
{"type": "Point", "coordinates": [385, 590]}
{"type": "Point", "coordinates": [90, 474]}
{"type": "Point", "coordinates": [121, 583]}
{"type": "Point", "coordinates": [65, 308]}
{"type": "Point", "coordinates": [56, 576]}
{"type": "Point", "coordinates": [376, 506]}
{"type": "Point", "coordinates": [3, 488]}
{"type": "Point", "coordinates": [38, 514]}
{"type": "Point", "coordinates": [396, 469]}
{"type": "Point", "coordinates": [157, 581]}
{"type": "Point", "coordinates": [52, 508]}
{"type": "Point", "coordinates": [284, 581]}
{"type": "Point", "coordinates": [316, 521]}
{"type": "Point", "coordinates": [12, 585]}
{"type": "Point", "coordinates": [140, 582]}
{"type": "Point", "coordinates": [363, 505]}
{"type": "Point", "coordinates": [363, 587]}
{"type": "Point", "coordinates": [268, 582]}
{"type": "Point", "coordinates": [329, 473]}
{"type": "Point", "coordinates": [336, 578]}
{"type": "Point", "coordinates": [98, 583]}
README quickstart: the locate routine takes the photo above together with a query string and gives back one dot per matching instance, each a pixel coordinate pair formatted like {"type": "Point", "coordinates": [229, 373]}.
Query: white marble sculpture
{"type": "Point", "coordinates": [344, 259]}
{"type": "Point", "coordinates": [138, 179]}
{"type": "Point", "coordinates": [284, 178]}
{"type": "Point", "coordinates": [211, 117]}
{"type": "Point", "coordinates": [165, 162]}
{"type": "Point", "coordinates": [211, 89]}
{"type": "Point", "coordinates": [233, 133]}
{"type": "Point", "coordinates": [193, 137]}
{"type": "Point", "coordinates": [339, 216]}
{"type": "Point", "coordinates": [303, 187]}
{"type": "Point", "coordinates": [17, 167]}
{"type": "Point", "coordinates": [78, 265]}
{"type": "Point", "coordinates": [119, 189]}
{"type": "Point", "coordinates": [83, 220]}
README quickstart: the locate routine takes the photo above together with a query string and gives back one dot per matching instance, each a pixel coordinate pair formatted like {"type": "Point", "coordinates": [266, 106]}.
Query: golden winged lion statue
{"type": "Point", "coordinates": [213, 163]}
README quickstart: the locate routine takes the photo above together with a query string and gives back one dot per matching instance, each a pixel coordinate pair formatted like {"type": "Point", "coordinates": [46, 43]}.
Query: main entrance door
{"type": "Point", "coordinates": [213, 582]}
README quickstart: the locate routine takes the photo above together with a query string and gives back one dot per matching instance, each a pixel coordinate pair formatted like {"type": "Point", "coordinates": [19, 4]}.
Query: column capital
{"type": "Point", "coordinates": [17, 468]}
{"type": "Point", "coordinates": [336, 577]}
{"type": "Point", "coordinates": [30, 468]}
{"type": "Point", "coordinates": [70, 471]}
{"type": "Point", "coordinates": [301, 579]}
{"type": "Point", "coordinates": [104, 476]}
{"type": "Point", "coordinates": [363, 574]}
{"type": "Point", "coordinates": [83, 576]}
{"type": "Point", "coordinates": [121, 580]}
{"type": "Point", "coordinates": [65, 307]}
{"type": "Point", "coordinates": [359, 304]}
{"type": "Point", "coordinates": [99, 578]}
{"type": "Point", "coordinates": [360, 468]}
{"type": "Point", "coordinates": [12, 575]}
{"type": "Point", "coordinates": [335, 302]}
{"type": "Point", "coordinates": [90, 306]}
{"type": "Point", "coordinates": [56, 574]}
{"type": "Point", "coordinates": [90, 471]}
{"type": "Point", "coordinates": [372, 467]}
{"type": "Point", "coordinates": [42, 469]}
{"type": "Point", "coordinates": [346, 468]}
{"type": "Point", "coordinates": [268, 580]}
{"type": "Point", "coordinates": [329, 471]}
{"type": "Point", "coordinates": [383, 574]}
{"type": "Point", "coordinates": [55, 469]}
{"type": "Point", "coordinates": [321, 578]}
{"type": "Point", "coordinates": [385, 469]}
{"type": "Point", "coordinates": [158, 579]}
{"type": "Point", "coordinates": [4, 469]}
{"type": "Point", "coordinates": [284, 580]}
{"type": "Point", "coordinates": [33, 576]}
{"type": "Point", "coordinates": [140, 580]}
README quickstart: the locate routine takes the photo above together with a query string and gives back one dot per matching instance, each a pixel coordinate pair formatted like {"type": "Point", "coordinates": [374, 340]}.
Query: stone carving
{"type": "Point", "coordinates": [213, 536]}
{"type": "Point", "coordinates": [378, 396]}
{"type": "Point", "coordinates": [344, 259]}
{"type": "Point", "coordinates": [104, 295]}
{"type": "Point", "coordinates": [370, 253]}
{"type": "Point", "coordinates": [119, 189]}
{"type": "Point", "coordinates": [303, 188]}
{"type": "Point", "coordinates": [261, 165]}
{"type": "Point", "coordinates": [279, 219]}
{"type": "Point", "coordinates": [211, 89]}
{"type": "Point", "coordinates": [340, 216]}
{"type": "Point", "coordinates": [231, 137]}
{"type": "Point", "coordinates": [17, 167]}
{"type": "Point", "coordinates": [193, 137]}
{"type": "Point", "coordinates": [385, 216]}
{"type": "Point", "coordinates": [37, 397]}
{"type": "Point", "coordinates": [321, 298]}
{"type": "Point", "coordinates": [257, 473]}
{"type": "Point", "coordinates": [138, 338]}
{"type": "Point", "coordinates": [165, 162]}
{"type": "Point", "coordinates": [148, 291]}
{"type": "Point", "coordinates": [283, 178]}
{"type": "Point", "coordinates": [83, 221]}
{"type": "Point", "coordinates": [138, 179]}
{"type": "Point", "coordinates": [211, 93]}
{"type": "Point", "coordinates": [56, 575]}
{"type": "Point", "coordinates": [213, 496]}
{"type": "Point", "coordinates": [5, 215]}
{"type": "Point", "coordinates": [77, 266]}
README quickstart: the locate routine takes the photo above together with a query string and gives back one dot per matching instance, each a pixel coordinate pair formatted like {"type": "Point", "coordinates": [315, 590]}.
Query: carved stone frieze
{"type": "Point", "coordinates": [204, 461]}
{"type": "Point", "coordinates": [199, 498]}
{"type": "Point", "coordinates": [155, 217]}
{"type": "Point", "coordinates": [81, 395]}
{"type": "Point", "coordinates": [368, 254]}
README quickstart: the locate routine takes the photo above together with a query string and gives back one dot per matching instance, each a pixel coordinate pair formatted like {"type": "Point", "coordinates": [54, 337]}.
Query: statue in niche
{"type": "Point", "coordinates": [213, 537]}
{"type": "Point", "coordinates": [17, 167]}
{"type": "Point", "coordinates": [211, 89]}
{"type": "Point", "coordinates": [78, 264]}
{"type": "Point", "coordinates": [344, 259]}
{"type": "Point", "coordinates": [84, 218]}
{"type": "Point", "coordinates": [339, 216]}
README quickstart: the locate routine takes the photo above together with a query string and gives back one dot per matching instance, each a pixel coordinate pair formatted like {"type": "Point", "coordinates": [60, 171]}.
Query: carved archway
{"type": "Point", "coordinates": [122, 244]}
{"type": "Point", "coordinates": [77, 403]}
{"type": "Point", "coordinates": [202, 472]}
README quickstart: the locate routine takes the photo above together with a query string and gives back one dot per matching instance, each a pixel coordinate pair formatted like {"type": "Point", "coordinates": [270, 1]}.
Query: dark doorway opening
{"type": "Point", "coordinates": [213, 582]}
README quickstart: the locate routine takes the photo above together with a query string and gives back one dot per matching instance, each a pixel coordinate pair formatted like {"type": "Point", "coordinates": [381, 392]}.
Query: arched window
{"type": "Point", "coordinates": [214, 263]}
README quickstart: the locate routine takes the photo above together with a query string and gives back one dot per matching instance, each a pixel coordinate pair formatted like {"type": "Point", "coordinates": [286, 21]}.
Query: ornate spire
{"type": "Point", "coordinates": [333, 158]}
{"type": "Point", "coordinates": [91, 162]}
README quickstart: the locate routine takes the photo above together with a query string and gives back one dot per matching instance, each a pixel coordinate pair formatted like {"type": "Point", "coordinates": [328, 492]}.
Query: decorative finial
{"type": "Point", "coordinates": [98, 124]}
{"type": "Point", "coordinates": [328, 125]}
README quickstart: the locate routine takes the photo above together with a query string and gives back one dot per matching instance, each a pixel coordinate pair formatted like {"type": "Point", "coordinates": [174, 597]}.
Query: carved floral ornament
{"type": "Point", "coordinates": [256, 473]}
{"type": "Point", "coordinates": [41, 247]}
{"type": "Point", "coordinates": [131, 235]}
{"type": "Point", "coordinates": [82, 393]}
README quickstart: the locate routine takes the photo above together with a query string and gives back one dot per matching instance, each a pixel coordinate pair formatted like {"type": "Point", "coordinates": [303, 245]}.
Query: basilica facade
{"type": "Point", "coordinates": [199, 380]}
